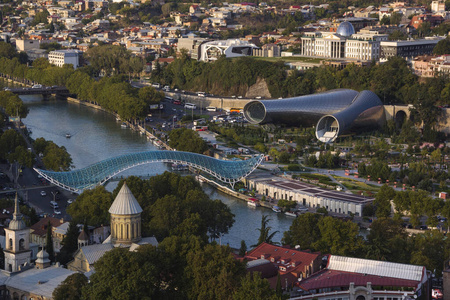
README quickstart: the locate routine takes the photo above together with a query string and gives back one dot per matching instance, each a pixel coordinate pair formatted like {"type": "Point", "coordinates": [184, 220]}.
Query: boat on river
{"type": "Point", "coordinates": [68, 135]}
{"type": "Point", "coordinates": [276, 209]}
{"type": "Point", "coordinates": [253, 202]}
{"type": "Point", "coordinates": [291, 214]}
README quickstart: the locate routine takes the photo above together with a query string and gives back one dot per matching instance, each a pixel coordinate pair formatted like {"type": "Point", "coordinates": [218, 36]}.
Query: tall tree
{"type": "Point", "coordinates": [70, 244]}
{"type": "Point", "coordinates": [254, 287]}
{"type": "Point", "coordinates": [91, 207]}
{"type": "Point", "coordinates": [265, 236]}
{"type": "Point", "coordinates": [49, 242]}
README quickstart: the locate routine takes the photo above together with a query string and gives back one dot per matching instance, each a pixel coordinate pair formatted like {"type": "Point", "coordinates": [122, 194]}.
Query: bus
{"type": "Point", "coordinates": [235, 110]}
{"type": "Point", "coordinates": [200, 128]}
{"type": "Point", "coordinates": [190, 106]}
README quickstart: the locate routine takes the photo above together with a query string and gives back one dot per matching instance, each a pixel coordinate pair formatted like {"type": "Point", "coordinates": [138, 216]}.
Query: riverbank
{"type": "Point", "coordinates": [155, 140]}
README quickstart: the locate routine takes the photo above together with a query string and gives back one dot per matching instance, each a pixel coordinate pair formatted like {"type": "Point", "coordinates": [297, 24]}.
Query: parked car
{"type": "Point", "coordinates": [43, 193]}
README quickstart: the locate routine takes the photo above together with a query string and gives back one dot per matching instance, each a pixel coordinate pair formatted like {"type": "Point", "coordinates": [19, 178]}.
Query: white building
{"type": "Point", "coordinates": [308, 195]}
{"type": "Point", "coordinates": [437, 6]}
{"type": "Point", "coordinates": [211, 51]}
{"type": "Point", "coordinates": [344, 44]}
{"type": "Point", "coordinates": [62, 57]}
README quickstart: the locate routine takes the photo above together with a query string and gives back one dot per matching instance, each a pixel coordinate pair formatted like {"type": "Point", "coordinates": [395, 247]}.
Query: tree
{"type": "Point", "coordinates": [442, 47]}
{"type": "Point", "coordinates": [383, 201]}
{"type": "Point", "coordinates": [71, 288]}
{"type": "Point", "coordinates": [214, 273]}
{"type": "Point", "coordinates": [49, 243]}
{"type": "Point", "coordinates": [264, 232]}
{"type": "Point", "coordinates": [254, 287]}
{"type": "Point", "coordinates": [304, 231]}
{"type": "Point", "coordinates": [184, 139]}
{"type": "Point", "coordinates": [279, 288]}
{"type": "Point", "coordinates": [243, 249]}
{"type": "Point", "coordinates": [91, 207]}
{"type": "Point", "coordinates": [387, 240]}
{"type": "Point", "coordinates": [70, 244]}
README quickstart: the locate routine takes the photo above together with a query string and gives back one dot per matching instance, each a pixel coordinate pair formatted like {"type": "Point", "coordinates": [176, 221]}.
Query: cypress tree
{"type": "Point", "coordinates": [49, 243]}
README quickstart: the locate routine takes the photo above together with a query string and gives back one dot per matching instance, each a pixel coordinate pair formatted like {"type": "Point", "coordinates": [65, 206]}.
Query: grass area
{"type": "Point", "coordinates": [321, 178]}
{"type": "Point", "coordinates": [290, 58]}
{"type": "Point", "coordinates": [352, 184]}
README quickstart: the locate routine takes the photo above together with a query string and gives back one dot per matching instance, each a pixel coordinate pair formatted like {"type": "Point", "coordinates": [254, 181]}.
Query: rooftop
{"type": "Point", "coordinates": [125, 203]}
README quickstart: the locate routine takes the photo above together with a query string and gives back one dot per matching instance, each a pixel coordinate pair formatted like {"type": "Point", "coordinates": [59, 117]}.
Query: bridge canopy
{"type": "Point", "coordinates": [100, 172]}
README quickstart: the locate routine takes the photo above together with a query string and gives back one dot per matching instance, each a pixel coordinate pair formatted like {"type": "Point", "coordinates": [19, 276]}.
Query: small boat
{"type": "Point", "coordinates": [276, 209]}
{"type": "Point", "coordinates": [291, 214]}
{"type": "Point", "coordinates": [124, 125]}
{"type": "Point", "coordinates": [253, 202]}
{"type": "Point", "coordinates": [68, 135]}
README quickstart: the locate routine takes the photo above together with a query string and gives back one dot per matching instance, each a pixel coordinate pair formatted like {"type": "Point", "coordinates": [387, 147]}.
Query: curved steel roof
{"type": "Point", "coordinates": [302, 110]}
{"type": "Point", "coordinates": [99, 173]}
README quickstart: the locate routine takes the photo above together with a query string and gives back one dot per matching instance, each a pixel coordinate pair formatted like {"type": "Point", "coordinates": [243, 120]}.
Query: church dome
{"type": "Point", "coordinates": [17, 224]}
{"type": "Point", "coordinates": [345, 29]}
{"type": "Point", "coordinates": [42, 255]}
{"type": "Point", "coordinates": [125, 203]}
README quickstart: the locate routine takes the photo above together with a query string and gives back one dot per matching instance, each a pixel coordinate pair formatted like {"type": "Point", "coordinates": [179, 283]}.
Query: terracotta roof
{"type": "Point", "coordinates": [286, 259]}
{"type": "Point", "coordinates": [40, 228]}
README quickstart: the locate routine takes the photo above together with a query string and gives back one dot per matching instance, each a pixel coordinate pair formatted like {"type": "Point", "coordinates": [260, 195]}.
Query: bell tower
{"type": "Point", "coordinates": [17, 242]}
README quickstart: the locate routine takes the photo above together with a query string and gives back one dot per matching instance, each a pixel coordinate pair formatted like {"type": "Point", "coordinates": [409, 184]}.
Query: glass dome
{"type": "Point", "coordinates": [345, 29]}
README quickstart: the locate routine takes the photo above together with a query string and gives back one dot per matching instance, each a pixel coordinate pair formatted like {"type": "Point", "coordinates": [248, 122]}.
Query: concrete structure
{"type": "Point", "coordinates": [364, 279]}
{"type": "Point", "coordinates": [192, 45]}
{"type": "Point", "coordinates": [407, 49]}
{"type": "Point", "coordinates": [62, 57]}
{"type": "Point", "coordinates": [308, 195]}
{"type": "Point", "coordinates": [25, 44]}
{"type": "Point", "coordinates": [268, 50]}
{"type": "Point", "coordinates": [17, 235]}
{"type": "Point", "coordinates": [211, 51]}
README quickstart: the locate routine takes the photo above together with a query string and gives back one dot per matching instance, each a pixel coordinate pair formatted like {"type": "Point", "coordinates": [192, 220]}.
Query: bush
{"type": "Point", "coordinates": [293, 167]}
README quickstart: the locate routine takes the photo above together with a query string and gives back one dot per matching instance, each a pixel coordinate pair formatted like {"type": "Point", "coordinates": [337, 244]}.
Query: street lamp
{"type": "Point", "coordinates": [54, 193]}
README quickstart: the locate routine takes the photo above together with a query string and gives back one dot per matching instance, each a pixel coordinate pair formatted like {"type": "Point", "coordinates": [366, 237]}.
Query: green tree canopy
{"type": "Point", "coordinates": [91, 207]}
{"type": "Point", "coordinates": [71, 288]}
{"type": "Point", "coordinates": [184, 139]}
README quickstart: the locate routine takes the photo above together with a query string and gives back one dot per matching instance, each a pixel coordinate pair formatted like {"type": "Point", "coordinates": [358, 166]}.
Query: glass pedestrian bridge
{"type": "Point", "coordinates": [99, 173]}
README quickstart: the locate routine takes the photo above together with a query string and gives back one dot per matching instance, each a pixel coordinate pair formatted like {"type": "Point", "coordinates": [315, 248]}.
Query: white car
{"type": "Point", "coordinates": [57, 212]}
{"type": "Point", "coordinates": [37, 86]}
{"type": "Point", "coordinates": [43, 193]}
{"type": "Point", "coordinates": [70, 201]}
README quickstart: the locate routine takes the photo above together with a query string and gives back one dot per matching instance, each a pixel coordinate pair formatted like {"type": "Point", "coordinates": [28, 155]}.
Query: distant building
{"type": "Point", "coordinates": [192, 44]}
{"type": "Point", "coordinates": [364, 279]}
{"type": "Point", "coordinates": [344, 44]}
{"type": "Point", "coordinates": [431, 66]}
{"type": "Point", "coordinates": [268, 50]}
{"type": "Point", "coordinates": [437, 6]}
{"type": "Point", "coordinates": [407, 49]}
{"type": "Point", "coordinates": [292, 264]}
{"type": "Point", "coordinates": [211, 51]}
{"type": "Point", "coordinates": [25, 44]}
{"type": "Point", "coordinates": [62, 57]}
{"type": "Point", "coordinates": [308, 195]}
{"type": "Point", "coordinates": [434, 20]}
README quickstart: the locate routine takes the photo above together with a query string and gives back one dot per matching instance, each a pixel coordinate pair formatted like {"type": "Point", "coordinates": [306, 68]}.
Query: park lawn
{"type": "Point", "coordinates": [352, 184]}
{"type": "Point", "coordinates": [290, 58]}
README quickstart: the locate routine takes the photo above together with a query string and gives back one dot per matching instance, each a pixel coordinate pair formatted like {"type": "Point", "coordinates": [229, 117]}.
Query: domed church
{"type": "Point", "coordinates": [125, 232]}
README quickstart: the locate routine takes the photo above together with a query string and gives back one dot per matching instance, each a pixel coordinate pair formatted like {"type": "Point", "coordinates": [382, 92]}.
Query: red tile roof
{"type": "Point", "coordinates": [287, 260]}
{"type": "Point", "coordinates": [332, 278]}
{"type": "Point", "coordinates": [40, 228]}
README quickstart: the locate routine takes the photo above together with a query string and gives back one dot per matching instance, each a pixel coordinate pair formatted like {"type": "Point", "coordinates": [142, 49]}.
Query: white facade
{"type": "Point", "coordinates": [309, 195]}
{"type": "Point", "coordinates": [211, 51]}
{"type": "Point", "coordinates": [330, 45]}
{"type": "Point", "coordinates": [62, 57]}
{"type": "Point", "coordinates": [437, 6]}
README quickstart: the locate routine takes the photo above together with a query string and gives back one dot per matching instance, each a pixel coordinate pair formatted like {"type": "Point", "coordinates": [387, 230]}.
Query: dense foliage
{"type": "Point", "coordinates": [184, 139]}
{"type": "Point", "coordinates": [387, 240]}
{"type": "Point", "coordinates": [54, 157]}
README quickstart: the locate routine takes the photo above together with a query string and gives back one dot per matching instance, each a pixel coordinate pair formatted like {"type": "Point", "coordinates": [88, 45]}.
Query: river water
{"type": "Point", "coordinates": [95, 136]}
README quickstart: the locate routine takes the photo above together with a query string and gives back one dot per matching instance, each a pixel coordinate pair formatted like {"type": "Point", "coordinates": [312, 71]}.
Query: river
{"type": "Point", "coordinates": [95, 136]}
